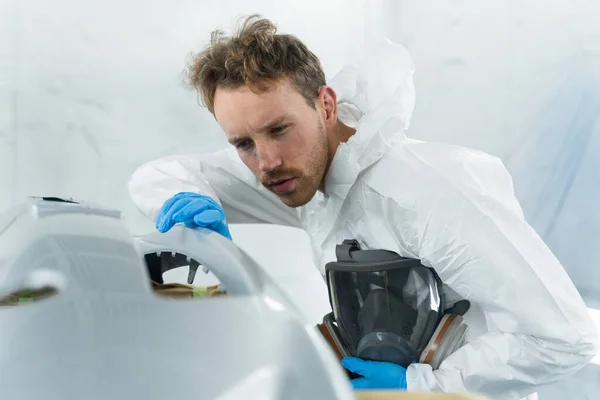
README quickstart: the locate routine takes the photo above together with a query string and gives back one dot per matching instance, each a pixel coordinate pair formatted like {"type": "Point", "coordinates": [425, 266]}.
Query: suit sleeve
{"type": "Point", "coordinates": [220, 175]}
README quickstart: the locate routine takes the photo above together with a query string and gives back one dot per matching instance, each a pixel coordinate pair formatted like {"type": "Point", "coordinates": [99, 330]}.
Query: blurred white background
{"type": "Point", "coordinates": [89, 90]}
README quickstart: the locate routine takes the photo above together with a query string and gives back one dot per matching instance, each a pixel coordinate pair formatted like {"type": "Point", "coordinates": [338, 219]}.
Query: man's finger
{"type": "Point", "coordinates": [361, 383]}
{"type": "Point", "coordinates": [356, 365]}
{"type": "Point", "coordinates": [208, 218]}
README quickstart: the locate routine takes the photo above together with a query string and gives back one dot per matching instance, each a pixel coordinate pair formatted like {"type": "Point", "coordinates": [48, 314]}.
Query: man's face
{"type": "Point", "coordinates": [278, 136]}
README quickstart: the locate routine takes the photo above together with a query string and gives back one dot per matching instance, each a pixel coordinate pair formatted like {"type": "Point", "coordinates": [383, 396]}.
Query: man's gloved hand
{"type": "Point", "coordinates": [376, 375]}
{"type": "Point", "coordinates": [193, 210]}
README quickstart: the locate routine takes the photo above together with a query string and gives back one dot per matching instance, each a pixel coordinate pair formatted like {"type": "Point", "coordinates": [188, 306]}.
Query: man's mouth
{"type": "Point", "coordinates": [277, 181]}
{"type": "Point", "coordinates": [282, 186]}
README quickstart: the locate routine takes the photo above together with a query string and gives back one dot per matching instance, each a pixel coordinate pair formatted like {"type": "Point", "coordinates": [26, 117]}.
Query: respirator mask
{"type": "Point", "coordinates": [389, 308]}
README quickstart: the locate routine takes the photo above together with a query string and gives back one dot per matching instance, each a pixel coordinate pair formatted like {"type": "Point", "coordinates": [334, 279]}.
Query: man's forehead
{"type": "Point", "coordinates": [242, 112]}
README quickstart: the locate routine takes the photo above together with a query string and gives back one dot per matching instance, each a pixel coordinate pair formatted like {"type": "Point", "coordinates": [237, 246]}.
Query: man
{"type": "Point", "coordinates": [333, 160]}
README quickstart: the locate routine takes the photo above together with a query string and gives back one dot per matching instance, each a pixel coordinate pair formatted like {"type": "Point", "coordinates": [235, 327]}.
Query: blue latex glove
{"type": "Point", "coordinates": [376, 375]}
{"type": "Point", "coordinates": [193, 210]}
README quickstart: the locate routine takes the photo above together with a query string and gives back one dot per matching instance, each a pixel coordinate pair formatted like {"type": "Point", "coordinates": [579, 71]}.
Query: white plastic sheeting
{"type": "Point", "coordinates": [519, 79]}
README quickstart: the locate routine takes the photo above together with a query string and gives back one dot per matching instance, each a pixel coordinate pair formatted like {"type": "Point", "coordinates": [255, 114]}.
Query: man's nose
{"type": "Point", "coordinates": [268, 157]}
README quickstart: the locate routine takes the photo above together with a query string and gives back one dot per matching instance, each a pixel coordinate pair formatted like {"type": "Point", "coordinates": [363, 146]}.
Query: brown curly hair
{"type": "Point", "coordinates": [257, 57]}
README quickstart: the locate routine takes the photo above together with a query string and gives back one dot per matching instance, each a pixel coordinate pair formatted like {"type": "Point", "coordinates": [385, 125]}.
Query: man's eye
{"type": "Point", "coordinates": [278, 129]}
{"type": "Point", "coordinates": [245, 145]}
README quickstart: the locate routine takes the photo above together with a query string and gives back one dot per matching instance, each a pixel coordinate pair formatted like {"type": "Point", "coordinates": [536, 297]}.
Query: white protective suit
{"type": "Point", "coordinates": [452, 207]}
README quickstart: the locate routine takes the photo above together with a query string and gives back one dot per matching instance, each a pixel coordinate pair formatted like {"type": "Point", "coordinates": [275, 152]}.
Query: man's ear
{"type": "Point", "coordinates": [328, 101]}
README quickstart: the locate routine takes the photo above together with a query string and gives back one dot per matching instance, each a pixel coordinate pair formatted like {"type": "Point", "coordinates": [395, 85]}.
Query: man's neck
{"type": "Point", "coordinates": [340, 134]}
